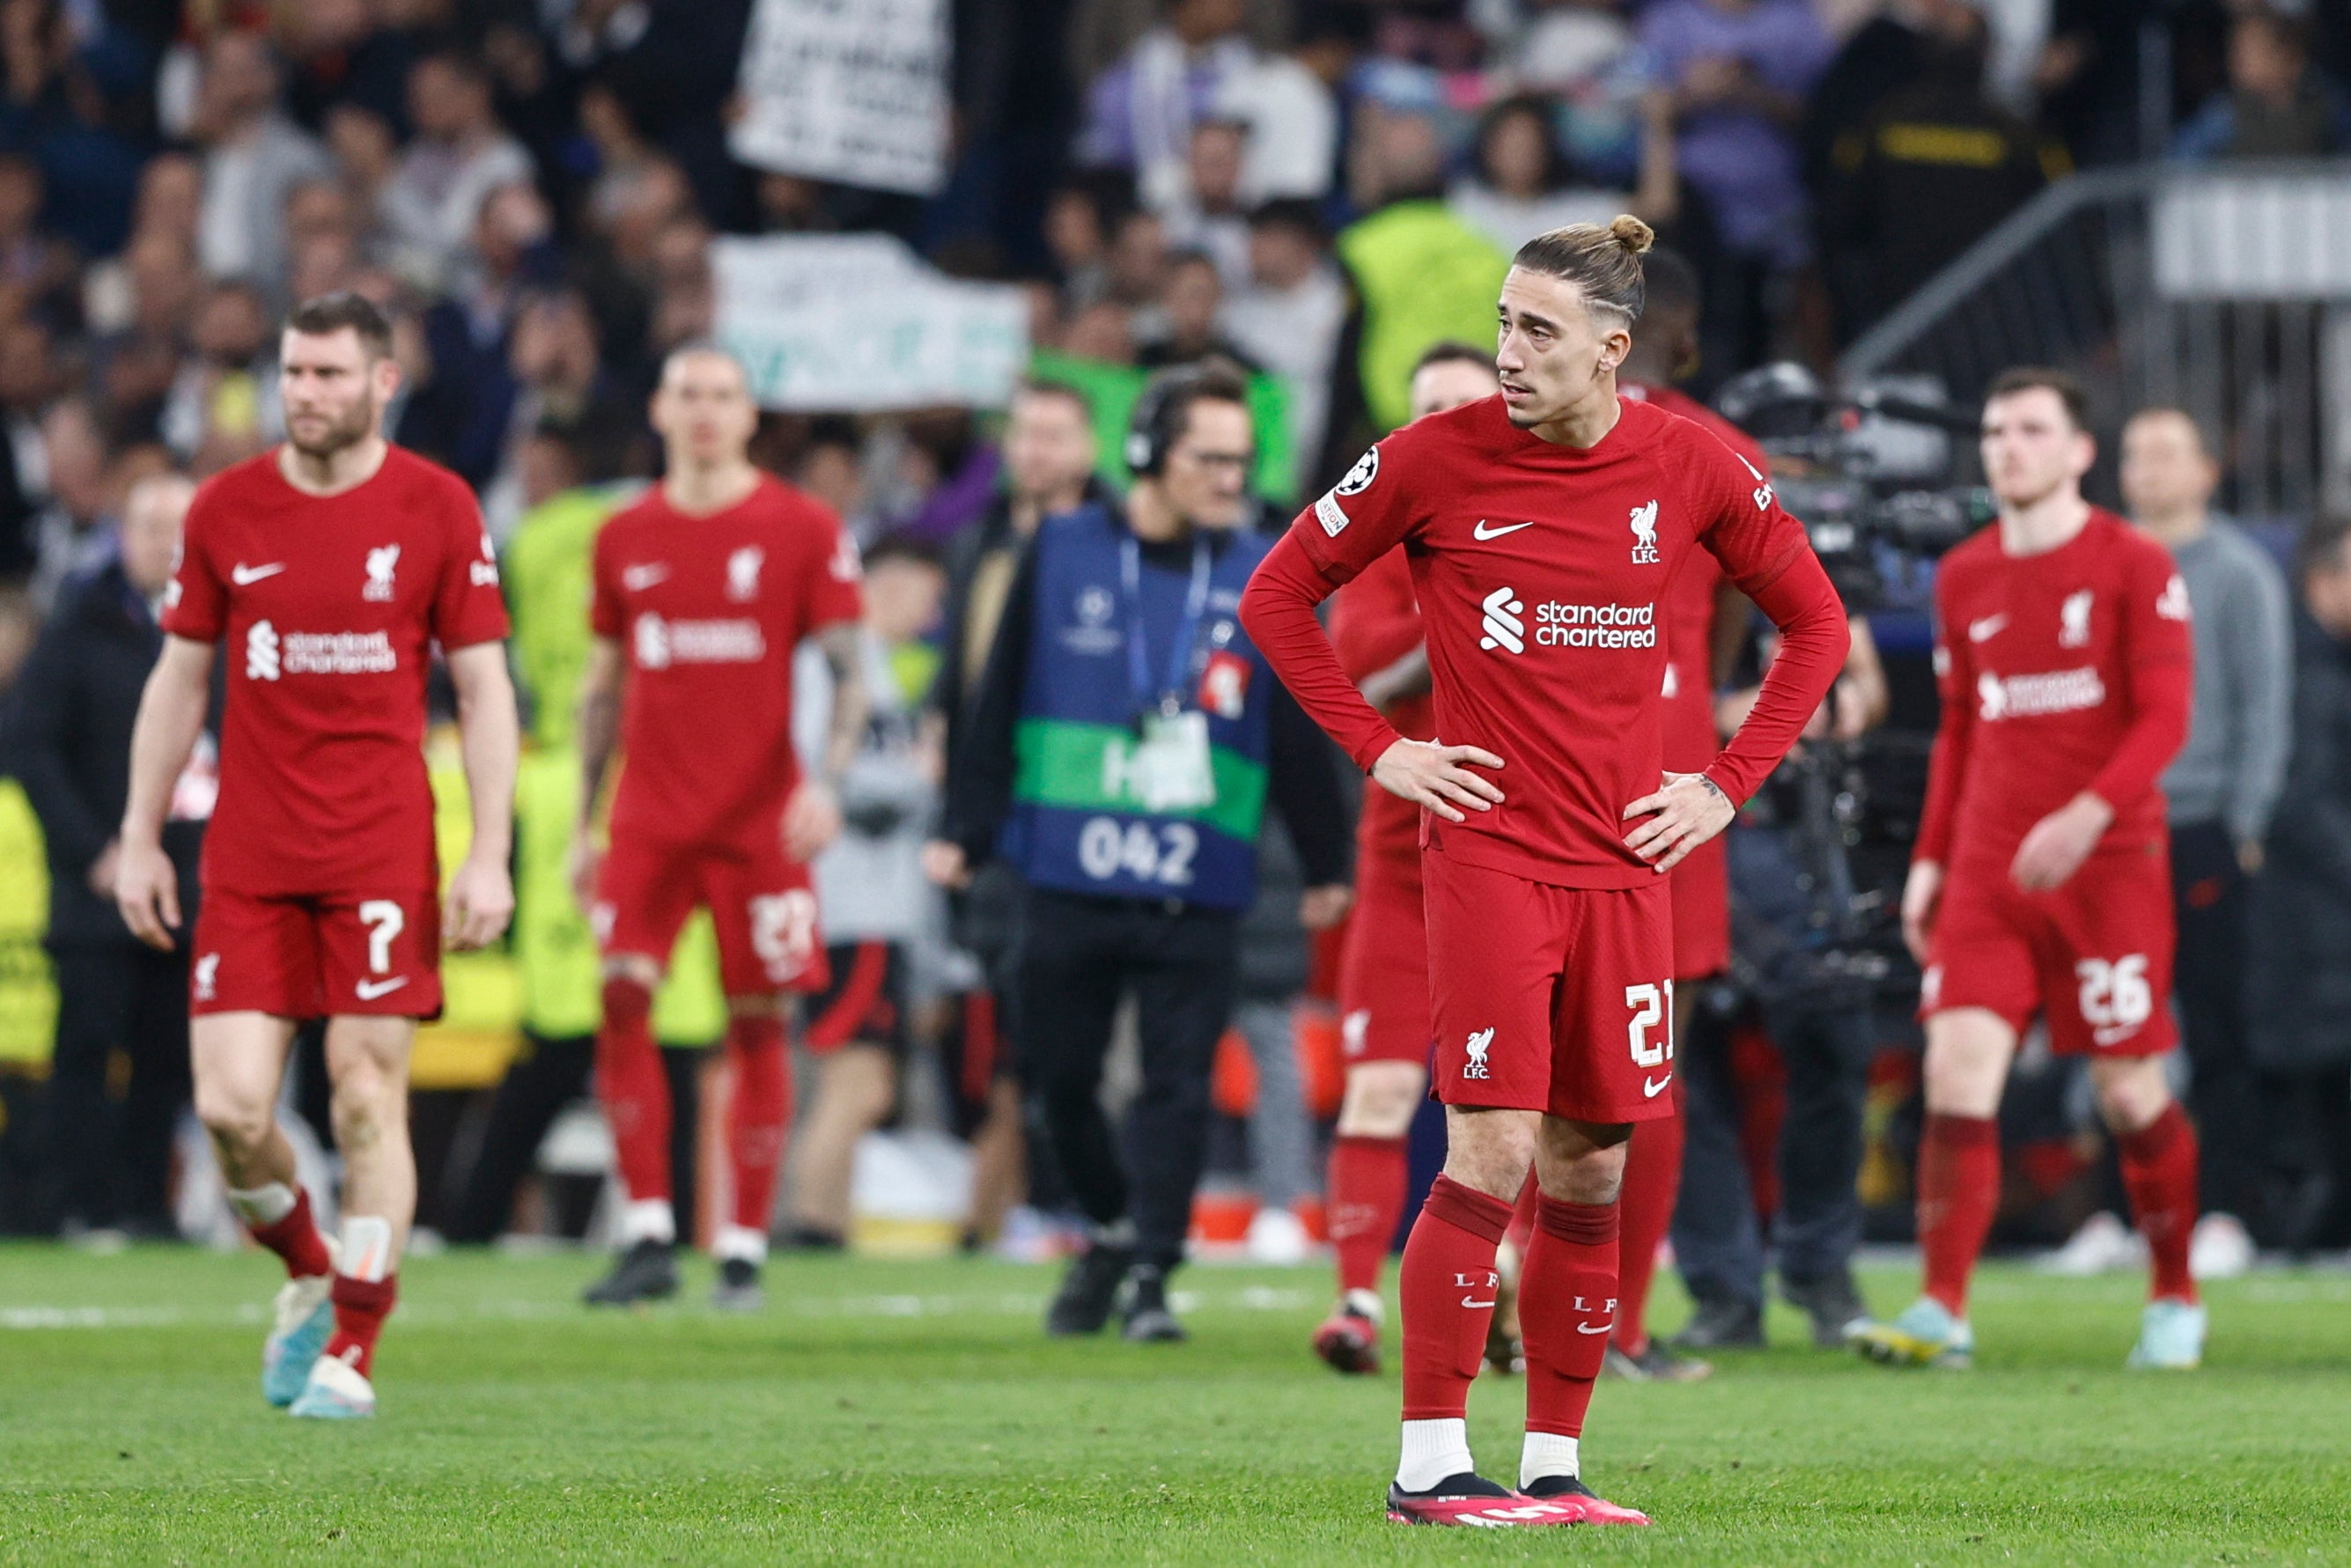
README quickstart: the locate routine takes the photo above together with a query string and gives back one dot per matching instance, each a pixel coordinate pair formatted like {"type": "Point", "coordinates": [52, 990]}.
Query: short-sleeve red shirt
{"type": "Point", "coordinates": [1543, 573]}
{"type": "Point", "coordinates": [707, 611]}
{"type": "Point", "coordinates": [329, 606]}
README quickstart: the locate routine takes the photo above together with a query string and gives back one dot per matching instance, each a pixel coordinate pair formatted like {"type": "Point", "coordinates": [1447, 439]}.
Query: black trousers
{"type": "Point", "coordinates": [1079, 957]}
{"type": "Point", "coordinates": [111, 1142]}
{"type": "Point", "coordinates": [1719, 1243]}
{"type": "Point", "coordinates": [2209, 893]}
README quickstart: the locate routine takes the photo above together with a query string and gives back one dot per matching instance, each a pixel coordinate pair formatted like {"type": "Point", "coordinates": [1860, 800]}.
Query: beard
{"type": "Point", "coordinates": [341, 434]}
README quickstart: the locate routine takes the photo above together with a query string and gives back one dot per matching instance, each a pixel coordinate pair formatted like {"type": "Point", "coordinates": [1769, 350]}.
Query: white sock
{"type": "Point", "coordinates": [367, 1247]}
{"type": "Point", "coordinates": [740, 1242]}
{"type": "Point", "coordinates": [1366, 1304]}
{"type": "Point", "coordinates": [648, 1220]}
{"type": "Point", "coordinates": [1432, 1451]}
{"type": "Point", "coordinates": [1547, 1454]}
{"type": "Point", "coordinates": [261, 1206]}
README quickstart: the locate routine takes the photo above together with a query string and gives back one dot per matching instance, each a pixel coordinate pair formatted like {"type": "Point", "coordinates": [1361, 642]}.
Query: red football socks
{"type": "Point", "coordinates": [1567, 1302]}
{"type": "Point", "coordinates": [1366, 1180]}
{"type": "Point", "coordinates": [1446, 1289]}
{"type": "Point", "coordinates": [635, 1090]}
{"type": "Point", "coordinates": [1959, 1191]}
{"type": "Point", "coordinates": [1523, 1218]}
{"type": "Point", "coordinates": [2160, 1173]}
{"type": "Point", "coordinates": [360, 1307]}
{"type": "Point", "coordinates": [758, 1113]}
{"type": "Point", "coordinates": [1653, 1177]}
{"type": "Point", "coordinates": [296, 1238]}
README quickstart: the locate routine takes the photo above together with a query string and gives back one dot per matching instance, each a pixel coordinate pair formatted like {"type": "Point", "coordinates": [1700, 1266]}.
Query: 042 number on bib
{"type": "Point", "coordinates": [1107, 847]}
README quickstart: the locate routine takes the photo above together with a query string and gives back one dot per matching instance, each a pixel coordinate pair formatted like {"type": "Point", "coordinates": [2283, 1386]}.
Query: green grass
{"type": "Point", "coordinates": [910, 1413]}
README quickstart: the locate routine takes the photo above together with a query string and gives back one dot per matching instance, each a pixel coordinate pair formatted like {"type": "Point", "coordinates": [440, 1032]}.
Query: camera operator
{"type": "Point", "coordinates": [1118, 753]}
{"type": "Point", "coordinates": [1792, 904]}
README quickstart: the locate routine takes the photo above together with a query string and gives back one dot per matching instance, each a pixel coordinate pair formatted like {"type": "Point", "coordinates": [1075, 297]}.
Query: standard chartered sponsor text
{"type": "Point", "coordinates": [1559, 625]}
{"type": "Point", "coordinates": [336, 652]}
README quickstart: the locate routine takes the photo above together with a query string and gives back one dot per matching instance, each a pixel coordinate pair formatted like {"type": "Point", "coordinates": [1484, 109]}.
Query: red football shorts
{"type": "Point", "coordinates": [2094, 957]}
{"type": "Point", "coordinates": [1701, 894]}
{"type": "Point", "coordinates": [1550, 998]}
{"type": "Point", "coordinates": [365, 955]}
{"type": "Point", "coordinates": [1384, 969]}
{"type": "Point", "coordinates": [761, 904]}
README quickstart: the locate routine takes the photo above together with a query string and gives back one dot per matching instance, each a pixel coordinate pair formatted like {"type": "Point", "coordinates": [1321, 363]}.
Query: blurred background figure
{"type": "Point", "coordinates": [119, 1076]}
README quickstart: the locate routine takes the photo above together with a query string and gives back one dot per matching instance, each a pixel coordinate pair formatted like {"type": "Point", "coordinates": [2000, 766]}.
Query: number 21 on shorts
{"type": "Point", "coordinates": [1652, 1005]}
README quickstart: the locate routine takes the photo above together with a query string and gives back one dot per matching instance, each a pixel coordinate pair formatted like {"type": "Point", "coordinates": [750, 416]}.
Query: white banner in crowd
{"type": "Point", "coordinates": [849, 90]}
{"type": "Point", "coordinates": [858, 322]}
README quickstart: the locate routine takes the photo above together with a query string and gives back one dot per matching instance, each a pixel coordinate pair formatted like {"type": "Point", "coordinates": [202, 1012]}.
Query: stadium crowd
{"type": "Point", "coordinates": [1313, 192]}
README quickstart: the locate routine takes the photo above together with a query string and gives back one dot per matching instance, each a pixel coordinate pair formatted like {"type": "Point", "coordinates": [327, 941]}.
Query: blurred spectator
{"type": "Point", "coordinates": [1081, 216]}
{"type": "Point", "coordinates": [460, 155]}
{"type": "Point", "coordinates": [67, 535]}
{"type": "Point", "coordinates": [2221, 791]}
{"type": "Point", "coordinates": [37, 270]}
{"type": "Point", "coordinates": [338, 54]}
{"type": "Point", "coordinates": [163, 224]}
{"type": "Point", "coordinates": [27, 382]}
{"type": "Point", "coordinates": [1188, 325]}
{"type": "Point", "coordinates": [1141, 111]}
{"type": "Point", "coordinates": [109, 1140]}
{"type": "Point", "coordinates": [1418, 273]}
{"type": "Point", "coordinates": [877, 906]}
{"type": "Point", "coordinates": [1736, 72]}
{"type": "Point", "coordinates": [226, 394]}
{"type": "Point", "coordinates": [1289, 104]}
{"type": "Point", "coordinates": [831, 467]}
{"type": "Point", "coordinates": [1523, 183]}
{"type": "Point", "coordinates": [1136, 263]}
{"type": "Point", "coordinates": [559, 378]}
{"type": "Point", "coordinates": [55, 110]}
{"type": "Point", "coordinates": [1209, 216]}
{"type": "Point", "coordinates": [1886, 54]}
{"type": "Point", "coordinates": [946, 476]}
{"type": "Point", "coordinates": [2278, 104]}
{"type": "Point", "coordinates": [671, 66]}
{"type": "Point", "coordinates": [254, 157]}
{"type": "Point", "coordinates": [1931, 171]}
{"type": "Point", "coordinates": [1289, 317]}
{"type": "Point", "coordinates": [2300, 980]}
{"type": "Point", "coordinates": [1564, 44]}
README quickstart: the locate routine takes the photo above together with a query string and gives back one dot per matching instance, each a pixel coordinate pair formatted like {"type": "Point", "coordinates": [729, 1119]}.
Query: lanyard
{"type": "Point", "coordinates": [1168, 698]}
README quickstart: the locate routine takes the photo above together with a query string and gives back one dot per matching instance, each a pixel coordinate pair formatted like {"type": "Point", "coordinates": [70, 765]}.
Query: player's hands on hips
{"type": "Point", "coordinates": [2059, 843]}
{"type": "Point", "coordinates": [1922, 894]}
{"type": "Point", "coordinates": [1324, 908]}
{"type": "Point", "coordinates": [1436, 777]}
{"type": "Point", "coordinates": [481, 901]}
{"type": "Point", "coordinates": [944, 864]}
{"type": "Point", "coordinates": [147, 891]}
{"type": "Point", "coordinates": [811, 819]}
{"type": "Point", "coordinates": [1690, 810]}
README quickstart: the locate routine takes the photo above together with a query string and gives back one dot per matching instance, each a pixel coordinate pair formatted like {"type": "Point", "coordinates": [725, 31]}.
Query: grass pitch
{"type": "Point", "coordinates": [913, 1413]}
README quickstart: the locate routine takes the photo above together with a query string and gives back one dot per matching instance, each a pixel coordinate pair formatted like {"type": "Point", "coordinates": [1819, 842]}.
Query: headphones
{"type": "Point", "coordinates": [1150, 432]}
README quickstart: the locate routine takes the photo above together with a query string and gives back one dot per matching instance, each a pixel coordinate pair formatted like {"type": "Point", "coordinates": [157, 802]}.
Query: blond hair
{"type": "Point", "coordinates": [1605, 263]}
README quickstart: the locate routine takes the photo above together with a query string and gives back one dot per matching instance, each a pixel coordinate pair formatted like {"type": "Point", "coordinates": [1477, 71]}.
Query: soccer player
{"type": "Point", "coordinates": [703, 589]}
{"type": "Point", "coordinates": [1542, 528]}
{"type": "Point", "coordinates": [330, 566]}
{"type": "Point", "coordinates": [1384, 968]}
{"type": "Point", "coordinates": [2041, 881]}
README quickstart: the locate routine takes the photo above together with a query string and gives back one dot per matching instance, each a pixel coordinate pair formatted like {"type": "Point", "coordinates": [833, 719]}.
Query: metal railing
{"type": "Point", "coordinates": [2223, 289]}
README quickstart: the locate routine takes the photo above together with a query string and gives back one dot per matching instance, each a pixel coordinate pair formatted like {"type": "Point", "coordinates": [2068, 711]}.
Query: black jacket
{"type": "Point", "coordinates": [70, 747]}
{"type": "Point", "coordinates": [1302, 766]}
{"type": "Point", "coordinates": [2299, 978]}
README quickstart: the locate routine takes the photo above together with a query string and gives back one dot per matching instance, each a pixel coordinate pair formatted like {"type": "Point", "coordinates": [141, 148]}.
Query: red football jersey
{"type": "Point", "coordinates": [1374, 623]}
{"type": "Point", "coordinates": [330, 605]}
{"type": "Point", "coordinates": [707, 612]}
{"type": "Point", "coordinates": [1542, 574]}
{"type": "Point", "coordinates": [2059, 673]}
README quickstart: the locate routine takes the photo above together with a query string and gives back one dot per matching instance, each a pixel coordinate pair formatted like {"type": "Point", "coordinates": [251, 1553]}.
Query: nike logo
{"type": "Point", "coordinates": [1652, 1087]}
{"type": "Point", "coordinates": [1472, 1301]}
{"type": "Point", "coordinates": [1600, 1328]}
{"type": "Point", "coordinates": [244, 575]}
{"type": "Point", "coordinates": [370, 989]}
{"type": "Point", "coordinates": [1485, 531]}
{"type": "Point", "coordinates": [1988, 628]}
{"type": "Point", "coordinates": [637, 578]}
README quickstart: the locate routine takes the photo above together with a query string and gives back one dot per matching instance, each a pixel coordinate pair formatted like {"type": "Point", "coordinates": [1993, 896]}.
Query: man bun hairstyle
{"type": "Point", "coordinates": [330, 313]}
{"type": "Point", "coordinates": [2044, 378]}
{"type": "Point", "coordinates": [1604, 262]}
